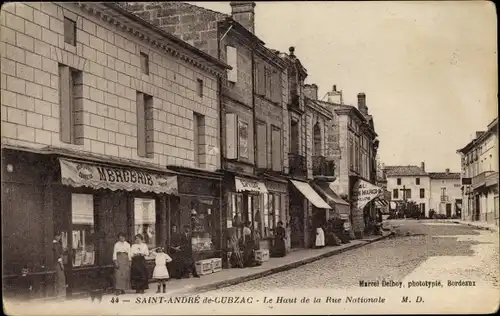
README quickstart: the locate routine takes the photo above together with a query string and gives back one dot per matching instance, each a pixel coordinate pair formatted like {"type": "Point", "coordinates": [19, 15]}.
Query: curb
{"type": "Point", "coordinates": [471, 224]}
{"type": "Point", "coordinates": [226, 283]}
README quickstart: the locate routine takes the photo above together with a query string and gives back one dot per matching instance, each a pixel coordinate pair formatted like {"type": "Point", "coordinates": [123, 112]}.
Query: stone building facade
{"type": "Point", "coordinates": [254, 128]}
{"type": "Point", "coordinates": [107, 124]}
{"type": "Point", "coordinates": [355, 155]}
{"type": "Point", "coordinates": [479, 161]}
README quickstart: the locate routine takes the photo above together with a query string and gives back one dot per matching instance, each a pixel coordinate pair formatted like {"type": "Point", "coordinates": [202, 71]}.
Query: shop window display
{"type": "Point", "coordinates": [202, 226]}
{"type": "Point", "coordinates": [82, 217]}
{"type": "Point", "coordinates": [145, 222]}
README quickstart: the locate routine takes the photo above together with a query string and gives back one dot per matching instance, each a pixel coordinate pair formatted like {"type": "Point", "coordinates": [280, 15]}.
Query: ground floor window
{"type": "Point", "coordinates": [203, 225]}
{"type": "Point", "coordinates": [272, 213]}
{"type": "Point", "coordinates": [82, 219]}
{"type": "Point", "coordinates": [145, 220]}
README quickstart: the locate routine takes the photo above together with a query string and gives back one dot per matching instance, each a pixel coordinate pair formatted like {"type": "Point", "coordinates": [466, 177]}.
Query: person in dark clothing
{"type": "Point", "coordinates": [279, 249]}
{"type": "Point", "coordinates": [174, 267]}
{"type": "Point", "coordinates": [60, 276]}
{"type": "Point", "coordinates": [187, 264]}
{"type": "Point", "coordinates": [139, 271]}
{"type": "Point", "coordinates": [248, 244]}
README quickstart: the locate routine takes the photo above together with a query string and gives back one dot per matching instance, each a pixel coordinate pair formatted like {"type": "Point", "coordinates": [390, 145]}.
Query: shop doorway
{"type": "Point", "coordinates": [448, 210]}
{"type": "Point", "coordinates": [477, 210]}
{"type": "Point", "coordinates": [296, 221]}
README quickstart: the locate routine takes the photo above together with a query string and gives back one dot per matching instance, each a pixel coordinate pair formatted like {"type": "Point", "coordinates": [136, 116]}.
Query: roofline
{"type": "Point", "coordinates": [127, 14]}
{"type": "Point", "coordinates": [319, 108]}
{"type": "Point", "coordinates": [484, 135]}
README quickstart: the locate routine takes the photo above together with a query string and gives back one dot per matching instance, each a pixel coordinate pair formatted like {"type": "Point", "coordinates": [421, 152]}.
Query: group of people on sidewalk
{"type": "Point", "coordinates": [130, 262]}
{"type": "Point", "coordinates": [130, 267]}
{"type": "Point", "coordinates": [243, 248]}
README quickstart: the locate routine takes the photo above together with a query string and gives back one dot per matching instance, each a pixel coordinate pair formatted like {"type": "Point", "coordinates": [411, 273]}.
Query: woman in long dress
{"type": "Point", "coordinates": [249, 244]}
{"type": "Point", "coordinates": [279, 241]}
{"type": "Point", "coordinates": [60, 277]}
{"type": "Point", "coordinates": [139, 270]}
{"type": "Point", "coordinates": [320, 237]}
{"type": "Point", "coordinates": [122, 258]}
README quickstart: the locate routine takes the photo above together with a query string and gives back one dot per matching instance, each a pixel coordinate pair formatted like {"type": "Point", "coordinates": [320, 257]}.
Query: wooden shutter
{"type": "Point", "coordinates": [276, 149]}
{"type": "Point", "coordinates": [141, 125]}
{"type": "Point", "coordinates": [232, 60]}
{"type": "Point", "coordinates": [261, 145]}
{"type": "Point", "coordinates": [231, 136]}
{"type": "Point", "coordinates": [66, 113]}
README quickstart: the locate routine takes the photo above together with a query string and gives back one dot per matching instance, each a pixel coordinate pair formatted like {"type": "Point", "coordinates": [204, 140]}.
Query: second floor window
{"type": "Point", "coordinates": [399, 181]}
{"type": "Point", "coordinates": [422, 193]}
{"type": "Point", "coordinates": [417, 181]}
{"type": "Point", "coordinates": [243, 139]}
{"type": "Point", "coordinates": [69, 31]}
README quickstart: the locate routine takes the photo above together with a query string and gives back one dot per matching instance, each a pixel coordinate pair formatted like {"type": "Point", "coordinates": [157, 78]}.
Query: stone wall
{"type": "Point", "coordinates": [32, 47]}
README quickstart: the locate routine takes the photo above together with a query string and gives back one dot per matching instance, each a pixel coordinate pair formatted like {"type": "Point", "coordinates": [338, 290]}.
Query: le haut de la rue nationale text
{"type": "Point", "coordinates": [265, 300]}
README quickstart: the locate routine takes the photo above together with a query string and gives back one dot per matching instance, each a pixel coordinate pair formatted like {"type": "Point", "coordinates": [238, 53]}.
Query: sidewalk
{"type": "Point", "coordinates": [228, 277]}
{"type": "Point", "coordinates": [475, 224]}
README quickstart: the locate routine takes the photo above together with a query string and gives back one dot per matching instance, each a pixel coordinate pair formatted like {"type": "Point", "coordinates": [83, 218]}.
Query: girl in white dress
{"type": "Point", "coordinates": [160, 273]}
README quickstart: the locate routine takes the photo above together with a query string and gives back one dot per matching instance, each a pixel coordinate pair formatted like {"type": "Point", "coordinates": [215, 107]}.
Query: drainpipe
{"type": "Point", "coordinates": [253, 110]}
{"type": "Point", "coordinates": [222, 201]}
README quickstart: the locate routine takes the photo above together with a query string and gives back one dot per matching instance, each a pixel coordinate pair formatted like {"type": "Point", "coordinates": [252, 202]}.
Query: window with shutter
{"type": "Point", "coordinates": [276, 149]}
{"type": "Point", "coordinates": [232, 60]}
{"type": "Point", "coordinates": [261, 145]}
{"type": "Point", "coordinates": [268, 83]}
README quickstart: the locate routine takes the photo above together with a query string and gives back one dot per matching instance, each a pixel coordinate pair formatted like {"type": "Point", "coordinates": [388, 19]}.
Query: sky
{"type": "Point", "coordinates": [428, 69]}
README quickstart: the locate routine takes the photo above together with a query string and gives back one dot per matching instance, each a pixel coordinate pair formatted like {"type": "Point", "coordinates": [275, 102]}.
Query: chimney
{"type": "Point", "coordinates": [422, 166]}
{"type": "Point", "coordinates": [362, 103]}
{"type": "Point", "coordinates": [335, 96]}
{"type": "Point", "coordinates": [311, 91]}
{"type": "Point", "coordinates": [243, 13]}
{"type": "Point", "coordinates": [447, 170]}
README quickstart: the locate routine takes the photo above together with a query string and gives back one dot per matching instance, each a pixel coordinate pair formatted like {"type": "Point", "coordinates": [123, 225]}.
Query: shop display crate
{"type": "Point", "coordinates": [262, 255]}
{"type": "Point", "coordinates": [216, 265]}
{"type": "Point", "coordinates": [204, 267]}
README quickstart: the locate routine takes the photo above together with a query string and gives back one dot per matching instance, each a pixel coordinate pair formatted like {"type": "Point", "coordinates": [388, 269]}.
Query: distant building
{"type": "Point", "coordinates": [409, 183]}
{"type": "Point", "coordinates": [479, 159]}
{"type": "Point", "coordinates": [446, 193]}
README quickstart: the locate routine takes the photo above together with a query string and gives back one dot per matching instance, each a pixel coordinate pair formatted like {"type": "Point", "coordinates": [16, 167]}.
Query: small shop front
{"type": "Point", "coordinates": [364, 216]}
{"type": "Point", "coordinates": [313, 215]}
{"type": "Point", "coordinates": [198, 205]}
{"type": "Point", "coordinates": [88, 201]}
{"type": "Point", "coordinates": [275, 210]}
{"type": "Point", "coordinates": [245, 201]}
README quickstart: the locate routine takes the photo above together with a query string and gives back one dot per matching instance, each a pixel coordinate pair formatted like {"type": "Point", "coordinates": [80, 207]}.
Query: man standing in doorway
{"type": "Point", "coordinates": [186, 253]}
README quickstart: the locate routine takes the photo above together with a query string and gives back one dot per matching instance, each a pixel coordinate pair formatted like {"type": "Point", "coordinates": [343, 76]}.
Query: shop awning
{"type": "Point", "coordinates": [83, 174]}
{"type": "Point", "coordinates": [324, 188]}
{"type": "Point", "coordinates": [249, 185]}
{"type": "Point", "coordinates": [380, 202]}
{"type": "Point", "coordinates": [310, 194]}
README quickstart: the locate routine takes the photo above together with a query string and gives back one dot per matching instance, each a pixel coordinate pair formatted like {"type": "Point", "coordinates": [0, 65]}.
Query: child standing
{"type": "Point", "coordinates": [160, 273]}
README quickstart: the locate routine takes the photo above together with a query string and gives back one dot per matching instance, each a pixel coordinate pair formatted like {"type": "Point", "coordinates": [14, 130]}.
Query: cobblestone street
{"type": "Point", "coordinates": [443, 247]}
